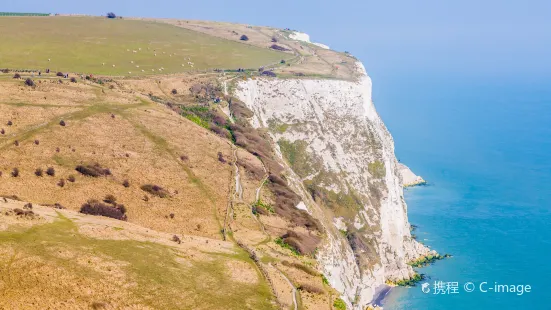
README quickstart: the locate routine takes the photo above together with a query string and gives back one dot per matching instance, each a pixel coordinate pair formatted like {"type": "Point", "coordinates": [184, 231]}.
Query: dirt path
{"type": "Point", "coordinates": [293, 289]}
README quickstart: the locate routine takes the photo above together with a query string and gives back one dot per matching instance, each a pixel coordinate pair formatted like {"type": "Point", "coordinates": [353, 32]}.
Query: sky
{"type": "Point", "coordinates": [464, 38]}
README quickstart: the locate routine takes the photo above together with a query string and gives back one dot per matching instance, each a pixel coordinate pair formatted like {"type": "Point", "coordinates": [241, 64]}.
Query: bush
{"type": "Point", "coordinates": [38, 172]}
{"type": "Point", "coordinates": [2, 131]}
{"type": "Point", "coordinates": [310, 288]}
{"type": "Point", "coordinates": [61, 183]}
{"type": "Point", "coordinates": [50, 171]}
{"type": "Point", "coordinates": [28, 206]}
{"type": "Point", "coordinates": [279, 48]}
{"type": "Point", "coordinates": [174, 91]}
{"type": "Point", "coordinates": [73, 79]}
{"type": "Point", "coordinates": [269, 73]}
{"type": "Point", "coordinates": [94, 170]}
{"type": "Point", "coordinates": [15, 172]}
{"type": "Point", "coordinates": [111, 15]}
{"type": "Point", "coordinates": [29, 82]}
{"type": "Point", "coordinates": [71, 179]}
{"type": "Point", "coordinates": [10, 123]}
{"type": "Point", "coordinates": [37, 142]}
{"type": "Point", "coordinates": [244, 38]}
{"type": "Point", "coordinates": [274, 39]}
{"type": "Point", "coordinates": [126, 184]}
{"type": "Point", "coordinates": [94, 207]}
{"type": "Point", "coordinates": [339, 304]}
{"type": "Point", "coordinates": [221, 158]}
{"type": "Point", "coordinates": [176, 239]}
{"type": "Point", "coordinates": [16, 143]}
{"type": "Point", "coordinates": [155, 190]}
{"type": "Point", "coordinates": [17, 76]}
{"type": "Point", "coordinates": [60, 74]}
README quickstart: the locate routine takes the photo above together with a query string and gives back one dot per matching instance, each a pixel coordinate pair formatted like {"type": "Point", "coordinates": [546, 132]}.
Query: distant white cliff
{"type": "Point", "coordinates": [346, 171]}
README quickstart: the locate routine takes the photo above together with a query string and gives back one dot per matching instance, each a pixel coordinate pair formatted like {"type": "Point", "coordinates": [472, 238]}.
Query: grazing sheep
{"type": "Point", "coordinates": [127, 50]}
{"type": "Point", "coordinates": [182, 65]}
{"type": "Point", "coordinates": [152, 69]}
{"type": "Point", "coordinates": [103, 64]}
{"type": "Point", "coordinates": [132, 61]}
{"type": "Point", "coordinates": [143, 70]}
{"type": "Point", "coordinates": [49, 59]}
{"type": "Point", "coordinates": [137, 66]}
{"type": "Point", "coordinates": [129, 72]}
{"type": "Point", "coordinates": [113, 66]}
{"type": "Point", "coordinates": [155, 54]}
{"type": "Point", "coordinates": [140, 48]}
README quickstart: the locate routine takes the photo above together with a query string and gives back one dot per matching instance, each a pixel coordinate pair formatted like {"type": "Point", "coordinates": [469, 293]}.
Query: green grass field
{"type": "Point", "coordinates": [83, 44]}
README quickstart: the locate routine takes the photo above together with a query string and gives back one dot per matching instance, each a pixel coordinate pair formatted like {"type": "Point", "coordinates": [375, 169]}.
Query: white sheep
{"type": "Point", "coordinates": [140, 48]}
{"type": "Point", "coordinates": [127, 50]}
{"type": "Point", "coordinates": [103, 64]}
{"type": "Point", "coordinates": [137, 66]}
{"type": "Point", "coordinates": [49, 59]}
{"type": "Point", "coordinates": [132, 61]}
{"type": "Point", "coordinates": [129, 72]}
{"type": "Point", "coordinates": [143, 70]}
{"type": "Point", "coordinates": [155, 54]}
{"type": "Point", "coordinates": [113, 66]}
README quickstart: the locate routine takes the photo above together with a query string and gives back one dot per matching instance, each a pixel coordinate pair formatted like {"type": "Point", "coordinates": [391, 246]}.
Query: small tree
{"type": "Point", "coordinates": [244, 38]}
{"type": "Point", "coordinates": [111, 15]}
{"type": "Point", "coordinates": [50, 171]}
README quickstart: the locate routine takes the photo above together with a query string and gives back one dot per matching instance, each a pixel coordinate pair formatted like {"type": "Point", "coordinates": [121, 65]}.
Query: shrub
{"type": "Point", "coordinates": [126, 184]}
{"type": "Point", "coordinates": [93, 170]}
{"type": "Point", "coordinates": [17, 76]}
{"type": "Point", "coordinates": [29, 82]}
{"type": "Point", "coordinates": [274, 39]}
{"type": "Point", "coordinates": [339, 304]}
{"type": "Point", "coordinates": [58, 206]}
{"type": "Point", "coordinates": [94, 207]}
{"type": "Point", "coordinates": [50, 171]}
{"type": "Point", "coordinates": [244, 38]}
{"type": "Point", "coordinates": [28, 206]}
{"type": "Point", "coordinates": [176, 239]}
{"type": "Point", "coordinates": [269, 73]}
{"type": "Point", "coordinates": [221, 158]}
{"type": "Point", "coordinates": [60, 74]}
{"type": "Point", "coordinates": [73, 79]}
{"type": "Point", "coordinates": [184, 157]}
{"type": "Point", "coordinates": [16, 143]}
{"type": "Point", "coordinates": [171, 215]}
{"type": "Point", "coordinates": [61, 183]}
{"type": "Point", "coordinates": [71, 179]}
{"type": "Point", "coordinates": [279, 48]}
{"type": "Point", "coordinates": [174, 91]}
{"type": "Point", "coordinates": [10, 123]}
{"type": "Point", "coordinates": [38, 172]}
{"type": "Point", "coordinates": [282, 61]}
{"type": "Point", "coordinates": [155, 190]}
{"type": "Point", "coordinates": [2, 131]}
{"type": "Point", "coordinates": [36, 142]}
{"type": "Point", "coordinates": [111, 15]}
{"type": "Point", "coordinates": [310, 288]}
{"type": "Point", "coordinates": [15, 172]}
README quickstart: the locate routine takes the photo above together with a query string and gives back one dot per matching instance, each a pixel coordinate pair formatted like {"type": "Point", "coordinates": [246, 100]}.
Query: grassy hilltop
{"type": "Point", "coordinates": [201, 214]}
{"type": "Point", "coordinates": [83, 44]}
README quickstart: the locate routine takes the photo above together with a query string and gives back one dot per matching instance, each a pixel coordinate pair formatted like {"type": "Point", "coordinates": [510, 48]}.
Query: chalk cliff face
{"type": "Point", "coordinates": [341, 160]}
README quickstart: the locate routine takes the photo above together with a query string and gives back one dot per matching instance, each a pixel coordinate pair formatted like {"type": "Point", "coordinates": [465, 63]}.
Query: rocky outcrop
{"type": "Point", "coordinates": [409, 178]}
{"type": "Point", "coordinates": [341, 161]}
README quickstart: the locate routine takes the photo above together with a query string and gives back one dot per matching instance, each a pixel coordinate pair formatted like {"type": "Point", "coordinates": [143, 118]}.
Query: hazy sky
{"type": "Point", "coordinates": [468, 37]}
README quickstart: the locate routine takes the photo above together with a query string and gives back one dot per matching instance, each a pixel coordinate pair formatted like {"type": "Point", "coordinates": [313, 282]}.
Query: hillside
{"type": "Point", "coordinates": [286, 174]}
{"type": "Point", "coordinates": [96, 45]}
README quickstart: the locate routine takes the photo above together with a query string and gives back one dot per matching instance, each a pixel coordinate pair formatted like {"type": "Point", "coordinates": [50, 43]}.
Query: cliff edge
{"type": "Point", "coordinates": [341, 160]}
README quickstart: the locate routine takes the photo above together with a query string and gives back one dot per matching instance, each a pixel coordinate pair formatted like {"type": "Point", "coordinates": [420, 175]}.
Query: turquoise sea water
{"type": "Point", "coordinates": [484, 145]}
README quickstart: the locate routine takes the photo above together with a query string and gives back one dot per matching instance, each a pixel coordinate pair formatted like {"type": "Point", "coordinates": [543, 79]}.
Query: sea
{"type": "Point", "coordinates": [484, 146]}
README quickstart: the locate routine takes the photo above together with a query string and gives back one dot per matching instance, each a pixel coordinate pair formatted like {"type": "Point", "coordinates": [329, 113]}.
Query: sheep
{"type": "Point", "coordinates": [127, 50]}
{"type": "Point", "coordinates": [134, 51]}
{"type": "Point", "coordinates": [137, 66]}
{"type": "Point", "coordinates": [103, 64]}
{"type": "Point", "coordinates": [132, 61]}
{"type": "Point", "coordinates": [155, 54]}
{"type": "Point", "coordinates": [49, 59]}
{"type": "Point", "coordinates": [152, 69]}
{"type": "Point", "coordinates": [113, 66]}
{"type": "Point", "coordinates": [129, 72]}
{"type": "Point", "coordinates": [143, 70]}
{"type": "Point", "coordinates": [183, 65]}
{"type": "Point", "coordinates": [140, 48]}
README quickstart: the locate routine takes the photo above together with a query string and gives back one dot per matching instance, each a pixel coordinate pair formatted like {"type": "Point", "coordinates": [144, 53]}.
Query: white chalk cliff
{"type": "Point", "coordinates": [344, 167]}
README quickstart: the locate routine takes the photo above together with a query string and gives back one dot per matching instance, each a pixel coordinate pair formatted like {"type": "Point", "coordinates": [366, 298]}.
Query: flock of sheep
{"type": "Point", "coordinates": [190, 63]}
